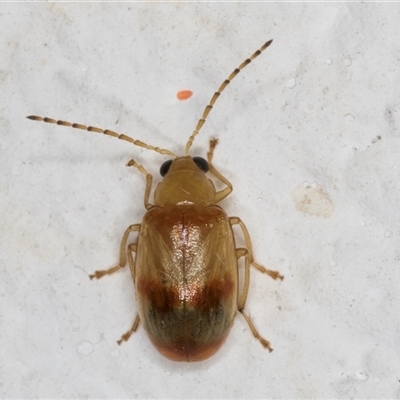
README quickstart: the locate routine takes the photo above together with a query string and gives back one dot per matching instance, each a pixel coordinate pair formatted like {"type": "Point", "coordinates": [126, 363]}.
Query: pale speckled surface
{"type": "Point", "coordinates": [308, 112]}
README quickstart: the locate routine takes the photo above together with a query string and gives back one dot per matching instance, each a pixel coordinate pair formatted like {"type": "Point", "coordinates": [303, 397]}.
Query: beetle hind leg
{"type": "Point", "coordinates": [242, 301]}
{"type": "Point", "coordinates": [264, 342]}
{"type": "Point", "coordinates": [122, 255]}
{"type": "Point", "coordinates": [125, 337]}
{"type": "Point", "coordinates": [247, 253]}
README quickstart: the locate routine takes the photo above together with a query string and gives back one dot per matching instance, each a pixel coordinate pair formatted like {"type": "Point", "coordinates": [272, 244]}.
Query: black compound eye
{"type": "Point", "coordinates": [201, 163]}
{"type": "Point", "coordinates": [165, 167]}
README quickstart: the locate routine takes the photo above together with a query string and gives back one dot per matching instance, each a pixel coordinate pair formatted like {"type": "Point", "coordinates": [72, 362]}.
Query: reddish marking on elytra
{"type": "Point", "coordinates": [202, 297]}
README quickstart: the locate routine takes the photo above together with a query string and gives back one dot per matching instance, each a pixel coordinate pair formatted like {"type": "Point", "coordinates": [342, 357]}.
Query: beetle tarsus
{"type": "Point", "coordinates": [97, 275]}
{"type": "Point", "coordinates": [273, 274]}
{"type": "Point", "coordinates": [213, 145]}
{"type": "Point", "coordinates": [125, 337]}
{"type": "Point", "coordinates": [264, 342]}
{"type": "Point", "coordinates": [100, 274]}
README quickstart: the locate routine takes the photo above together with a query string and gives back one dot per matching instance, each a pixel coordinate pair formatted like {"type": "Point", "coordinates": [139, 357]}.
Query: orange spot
{"type": "Point", "coordinates": [184, 94]}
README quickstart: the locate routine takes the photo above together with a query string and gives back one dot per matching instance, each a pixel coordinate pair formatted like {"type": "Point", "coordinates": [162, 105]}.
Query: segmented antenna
{"type": "Point", "coordinates": [105, 132]}
{"type": "Point", "coordinates": [210, 105]}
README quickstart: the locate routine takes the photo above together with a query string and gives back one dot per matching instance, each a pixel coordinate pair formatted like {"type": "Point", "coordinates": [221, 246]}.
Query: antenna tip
{"type": "Point", "coordinates": [266, 45]}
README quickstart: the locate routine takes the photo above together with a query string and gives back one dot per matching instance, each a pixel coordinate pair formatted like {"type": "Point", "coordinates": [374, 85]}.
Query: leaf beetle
{"type": "Point", "coordinates": [185, 268]}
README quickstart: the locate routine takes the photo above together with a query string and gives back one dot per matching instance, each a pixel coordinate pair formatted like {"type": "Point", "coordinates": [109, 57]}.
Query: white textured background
{"type": "Point", "coordinates": [309, 136]}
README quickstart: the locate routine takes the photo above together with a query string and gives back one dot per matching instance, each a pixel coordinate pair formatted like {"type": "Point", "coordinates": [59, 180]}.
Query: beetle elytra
{"type": "Point", "coordinates": [185, 270]}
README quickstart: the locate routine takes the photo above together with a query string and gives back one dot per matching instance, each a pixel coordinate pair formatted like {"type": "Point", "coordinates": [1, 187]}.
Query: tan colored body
{"type": "Point", "coordinates": [185, 270]}
{"type": "Point", "coordinates": [186, 280]}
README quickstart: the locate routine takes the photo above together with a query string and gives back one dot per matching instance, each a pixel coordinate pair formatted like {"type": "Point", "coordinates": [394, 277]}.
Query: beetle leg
{"type": "Point", "coordinates": [255, 333]}
{"type": "Point", "coordinates": [122, 255]}
{"type": "Point", "coordinates": [224, 192]}
{"type": "Point", "coordinates": [149, 181]}
{"type": "Point", "coordinates": [210, 154]}
{"type": "Point", "coordinates": [245, 253]}
{"type": "Point", "coordinates": [272, 274]}
{"type": "Point", "coordinates": [132, 249]}
{"type": "Point", "coordinates": [125, 337]}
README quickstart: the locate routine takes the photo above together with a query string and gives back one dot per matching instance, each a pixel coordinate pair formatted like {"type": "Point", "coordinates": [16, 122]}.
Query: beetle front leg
{"type": "Point", "coordinates": [245, 253]}
{"type": "Point", "coordinates": [149, 181]}
{"type": "Point", "coordinates": [272, 274]}
{"type": "Point", "coordinates": [122, 255]}
{"type": "Point", "coordinates": [228, 190]}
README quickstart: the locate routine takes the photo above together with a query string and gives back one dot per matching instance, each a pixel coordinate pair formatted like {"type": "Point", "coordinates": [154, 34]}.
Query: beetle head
{"type": "Point", "coordinates": [184, 181]}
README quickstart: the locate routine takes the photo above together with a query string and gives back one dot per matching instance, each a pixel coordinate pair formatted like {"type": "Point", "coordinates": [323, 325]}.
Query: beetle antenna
{"type": "Point", "coordinates": [105, 131]}
{"type": "Point", "coordinates": [226, 82]}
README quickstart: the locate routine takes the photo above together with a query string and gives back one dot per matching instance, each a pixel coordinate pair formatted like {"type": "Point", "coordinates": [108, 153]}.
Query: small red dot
{"type": "Point", "coordinates": [184, 94]}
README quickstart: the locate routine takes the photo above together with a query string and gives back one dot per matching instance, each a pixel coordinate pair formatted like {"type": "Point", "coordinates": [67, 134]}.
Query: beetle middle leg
{"type": "Point", "coordinates": [122, 255]}
{"type": "Point", "coordinates": [249, 247]}
{"type": "Point", "coordinates": [132, 228]}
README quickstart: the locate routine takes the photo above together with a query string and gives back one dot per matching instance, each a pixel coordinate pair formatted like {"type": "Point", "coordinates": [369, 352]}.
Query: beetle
{"type": "Point", "coordinates": [185, 270]}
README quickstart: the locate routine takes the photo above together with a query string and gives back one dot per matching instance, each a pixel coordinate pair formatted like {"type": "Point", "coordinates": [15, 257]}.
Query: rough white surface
{"type": "Point", "coordinates": [318, 110]}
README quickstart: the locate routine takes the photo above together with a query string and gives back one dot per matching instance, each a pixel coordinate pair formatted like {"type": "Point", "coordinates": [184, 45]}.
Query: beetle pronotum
{"type": "Point", "coordinates": [186, 267]}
